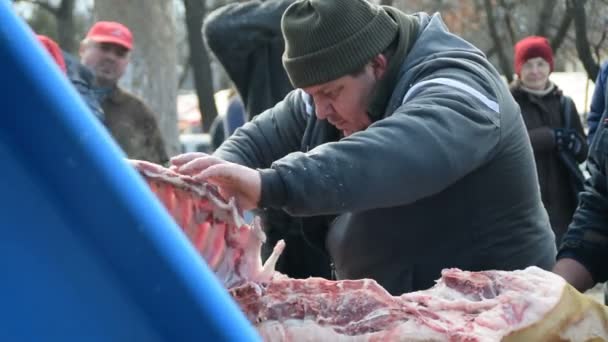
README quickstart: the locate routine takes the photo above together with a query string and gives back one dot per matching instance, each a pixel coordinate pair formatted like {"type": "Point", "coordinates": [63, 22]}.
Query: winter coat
{"type": "Point", "coordinates": [246, 38]}
{"type": "Point", "coordinates": [587, 238]}
{"type": "Point", "coordinates": [444, 178]}
{"type": "Point", "coordinates": [133, 126]}
{"type": "Point", "coordinates": [83, 80]}
{"type": "Point", "coordinates": [542, 114]}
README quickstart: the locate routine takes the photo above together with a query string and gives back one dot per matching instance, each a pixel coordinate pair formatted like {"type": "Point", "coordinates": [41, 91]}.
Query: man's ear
{"type": "Point", "coordinates": [379, 65]}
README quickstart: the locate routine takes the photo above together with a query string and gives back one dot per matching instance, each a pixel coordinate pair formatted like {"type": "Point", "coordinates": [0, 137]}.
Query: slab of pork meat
{"type": "Point", "coordinates": [524, 305]}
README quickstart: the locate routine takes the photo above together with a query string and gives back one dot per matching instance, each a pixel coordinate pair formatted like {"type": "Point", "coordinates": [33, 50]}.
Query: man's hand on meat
{"type": "Point", "coordinates": [232, 180]}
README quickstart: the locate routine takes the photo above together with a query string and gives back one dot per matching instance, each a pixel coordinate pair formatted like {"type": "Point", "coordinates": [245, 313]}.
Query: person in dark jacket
{"type": "Point", "coordinates": [584, 251]}
{"type": "Point", "coordinates": [555, 130]}
{"type": "Point", "coordinates": [598, 101]}
{"type": "Point", "coordinates": [246, 39]}
{"type": "Point", "coordinates": [79, 75]}
{"type": "Point", "coordinates": [84, 80]}
{"type": "Point", "coordinates": [401, 150]}
{"type": "Point", "coordinates": [107, 51]}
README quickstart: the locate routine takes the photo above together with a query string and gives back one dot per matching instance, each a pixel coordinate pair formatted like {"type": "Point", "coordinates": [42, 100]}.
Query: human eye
{"type": "Point", "coordinates": [334, 93]}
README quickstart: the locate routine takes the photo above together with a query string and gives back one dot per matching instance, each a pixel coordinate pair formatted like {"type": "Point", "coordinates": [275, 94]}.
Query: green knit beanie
{"type": "Point", "coordinates": [328, 39]}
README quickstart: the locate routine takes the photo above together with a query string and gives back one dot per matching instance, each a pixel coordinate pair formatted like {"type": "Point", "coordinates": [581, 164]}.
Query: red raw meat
{"type": "Point", "coordinates": [524, 305]}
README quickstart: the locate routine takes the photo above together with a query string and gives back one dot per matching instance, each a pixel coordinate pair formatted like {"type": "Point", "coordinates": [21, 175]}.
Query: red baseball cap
{"type": "Point", "coordinates": [111, 32]}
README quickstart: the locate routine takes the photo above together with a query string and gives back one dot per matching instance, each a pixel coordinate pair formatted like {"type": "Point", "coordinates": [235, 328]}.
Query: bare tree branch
{"type": "Point", "coordinates": [502, 58]}
{"type": "Point", "coordinates": [184, 75]}
{"type": "Point", "coordinates": [597, 47]}
{"type": "Point", "coordinates": [200, 61]}
{"type": "Point", "coordinates": [509, 22]}
{"type": "Point", "coordinates": [544, 19]}
{"type": "Point", "coordinates": [582, 42]}
{"type": "Point", "coordinates": [44, 5]}
{"type": "Point", "coordinates": [563, 28]}
{"type": "Point", "coordinates": [65, 25]}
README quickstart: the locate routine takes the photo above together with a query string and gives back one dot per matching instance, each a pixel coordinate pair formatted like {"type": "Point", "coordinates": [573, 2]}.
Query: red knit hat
{"type": "Point", "coordinates": [53, 49]}
{"type": "Point", "coordinates": [532, 47]}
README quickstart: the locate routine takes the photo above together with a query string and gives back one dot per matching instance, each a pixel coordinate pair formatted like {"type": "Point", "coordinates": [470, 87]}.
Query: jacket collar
{"type": "Point", "coordinates": [116, 95]}
{"type": "Point", "coordinates": [408, 30]}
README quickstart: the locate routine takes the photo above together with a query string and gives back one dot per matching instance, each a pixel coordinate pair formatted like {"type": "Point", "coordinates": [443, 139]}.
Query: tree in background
{"type": "Point", "coordinates": [199, 61]}
{"type": "Point", "coordinates": [57, 21]}
{"type": "Point", "coordinates": [495, 25]}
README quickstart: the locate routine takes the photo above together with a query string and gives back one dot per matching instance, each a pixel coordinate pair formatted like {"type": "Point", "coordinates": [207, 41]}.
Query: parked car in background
{"type": "Point", "coordinates": [195, 142]}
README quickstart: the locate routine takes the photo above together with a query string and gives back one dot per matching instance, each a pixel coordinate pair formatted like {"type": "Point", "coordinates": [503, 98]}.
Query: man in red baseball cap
{"type": "Point", "coordinates": [106, 50]}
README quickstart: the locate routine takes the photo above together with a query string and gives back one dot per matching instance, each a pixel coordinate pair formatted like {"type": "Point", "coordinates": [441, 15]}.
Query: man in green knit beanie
{"type": "Point", "coordinates": [401, 150]}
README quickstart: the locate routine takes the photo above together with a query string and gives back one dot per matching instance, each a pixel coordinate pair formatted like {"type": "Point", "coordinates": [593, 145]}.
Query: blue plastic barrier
{"type": "Point", "coordinates": [87, 253]}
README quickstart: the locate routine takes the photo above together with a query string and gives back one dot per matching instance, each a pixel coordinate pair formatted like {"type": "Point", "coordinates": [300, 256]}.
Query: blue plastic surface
{"type": "Point", "coordinates": [87, 253]}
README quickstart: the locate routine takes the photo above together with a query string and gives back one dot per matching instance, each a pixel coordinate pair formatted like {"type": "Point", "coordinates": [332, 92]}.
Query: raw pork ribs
{"type": "Point", "coordinates": [525, 305]}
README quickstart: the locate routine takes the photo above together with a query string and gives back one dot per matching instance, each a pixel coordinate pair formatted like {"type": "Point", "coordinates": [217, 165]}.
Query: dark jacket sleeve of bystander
{"type": "Point", "coordinates": [587, 238]}
{"type": "Point", "coordinates": [597, 101]}
{"type": "Point", "coordinates": [246, 38]}
{"type": "Point", "coordinates": [575, 122]}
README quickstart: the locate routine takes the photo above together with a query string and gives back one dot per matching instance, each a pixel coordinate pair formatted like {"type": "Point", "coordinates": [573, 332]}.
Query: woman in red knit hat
{"type": "Point", "coordinates": [555, 130]}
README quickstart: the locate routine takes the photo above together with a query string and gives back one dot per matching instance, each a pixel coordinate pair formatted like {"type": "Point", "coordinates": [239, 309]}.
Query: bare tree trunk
{"type": "Point", "coordinates": [505, 65]}
{"type": "Point", "coordinates": [582, 42]}
{"type": "Point", "coordinates": [65, 25]}
{"type": "Point", "coordinates": [509, 22]}
{"type": "Point", "coordinates": [562, 30]}
{"type": "Point", "coordinates": [199, 60]}
{"type": "Point", "coordinates": [153, 72]}
{"type": "Point", "coordinates": [544, 19]}
{"type": "Point", "coordinates": [64, 16]}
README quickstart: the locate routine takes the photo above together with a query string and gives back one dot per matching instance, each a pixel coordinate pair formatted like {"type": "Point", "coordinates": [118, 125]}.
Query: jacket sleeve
{"type": "Point", "coordinates": [587, 238]}
{"type": "Point", "coordinates": [430, 142]}
{"type": "Point", "coordinates": [269, 136]}
{"type": "Point", "coordinates": [578, 127]}
{"type": "Point", "coordinates": [233, 32]}
{"type": "Point", "coordinates": [597, 101]}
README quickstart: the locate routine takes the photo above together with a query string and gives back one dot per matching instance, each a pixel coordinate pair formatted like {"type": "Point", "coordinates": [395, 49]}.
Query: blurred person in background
{"type": "Point", "coordinates": [555, 130]}
{"type": "Point", "coordinates": [246, 39]}
{"type": "Point", "coordinates": [80, 76]}
{"type": "Point", "coordinates": [107, 51]}
{"type": "Point", "coordinates": [598, 101]}
{"type": "Point", "coordinates": [583, 254]}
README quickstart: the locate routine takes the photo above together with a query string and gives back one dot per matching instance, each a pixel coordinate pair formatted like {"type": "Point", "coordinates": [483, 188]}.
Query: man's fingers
{"type": "Point", "coordinates": [199, 164]}
{"type": "Point", "coordinates": [186, 158]}
{"type": "Point", "coordinates": [218, 174]}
